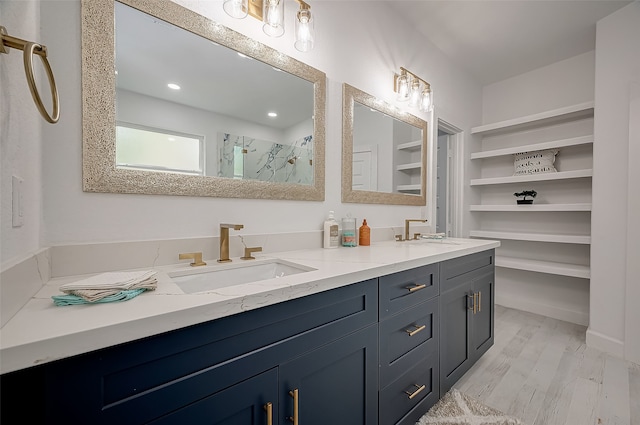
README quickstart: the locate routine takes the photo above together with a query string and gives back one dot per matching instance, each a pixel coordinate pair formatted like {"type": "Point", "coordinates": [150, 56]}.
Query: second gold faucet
{"type": "Point", "coordinates": [224, 240]}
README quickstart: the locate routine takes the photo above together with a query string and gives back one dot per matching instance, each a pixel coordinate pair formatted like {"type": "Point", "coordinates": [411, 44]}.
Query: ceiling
{"type": "Point", "coordinates": [495, 40]}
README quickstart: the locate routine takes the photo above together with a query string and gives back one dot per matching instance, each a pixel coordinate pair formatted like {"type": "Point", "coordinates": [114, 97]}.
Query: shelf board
{"type": "Point", "coordinates": [409, 167]}
{"type": "Point", "coordinates": [560, 175]}
{"type": "Point", "coordinates": [550, 267]}
{"type": "Point", "coordinates": [575, 141]}
{"type": "Point", "coordinates": [409, 188]}
{"type": "Point", "coordinates": [543, 118]}
{"type": "Point", "coordinates": [533, 207]}
{"type": "Point", "coordinates": [415, 145]}
{"type": "Point", "coordinates": [531, 237]}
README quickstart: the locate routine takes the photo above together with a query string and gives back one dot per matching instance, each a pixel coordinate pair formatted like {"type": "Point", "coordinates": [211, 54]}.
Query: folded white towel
{"type": "Point", "coordinates": [113, 280]}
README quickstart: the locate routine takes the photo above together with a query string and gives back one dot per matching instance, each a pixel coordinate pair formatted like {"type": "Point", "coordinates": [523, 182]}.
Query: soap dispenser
{"type": "Point", "coordinates": [364, 234]}
{"type": "Point", "coordinates": [331, 232]}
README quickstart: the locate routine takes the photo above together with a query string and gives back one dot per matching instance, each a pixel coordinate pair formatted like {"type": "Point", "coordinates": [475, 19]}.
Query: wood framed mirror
{"type": "Point", "coordinates": [383, 152]}
{"type": "Point", "coordinates": [212, 137]}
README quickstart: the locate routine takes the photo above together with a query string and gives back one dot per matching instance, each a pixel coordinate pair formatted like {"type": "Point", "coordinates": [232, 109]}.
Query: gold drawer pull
{"type": "Point", "coordinates": [294, 419]}
{"type": "Point", "coordinates": [479, 301]}
{"type": "Point", "coordinates": [416, 330]}
{"type": "Point", "coordinates": [269, 409]}
{"type": "Point", "coordinates": [420, 388]}
{"type": "Point", "coordinates": [416, 288]}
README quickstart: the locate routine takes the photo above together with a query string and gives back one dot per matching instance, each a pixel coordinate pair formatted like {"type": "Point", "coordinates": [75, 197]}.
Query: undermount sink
{"type": "Point", "coordinates": [207, 278]}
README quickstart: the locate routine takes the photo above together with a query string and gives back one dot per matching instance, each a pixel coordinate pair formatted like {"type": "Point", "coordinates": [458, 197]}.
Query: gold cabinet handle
{"type": "Point", "coordinates": [269, 409]}
{"type": "Point", "coordinates": [420, 388]}
{"type": "Point", "coordinates": [416, 330]}
{"type": "Point", "coordinates": [471, 297]}
{"type": "Point", "coordinates": [416, 288]}
{"type": "Point", "coordinates": [475, 302]}
{"type": "Point", "coordinates": [294, 419]}
{"type": "Point", "coordinates": [479, 301]}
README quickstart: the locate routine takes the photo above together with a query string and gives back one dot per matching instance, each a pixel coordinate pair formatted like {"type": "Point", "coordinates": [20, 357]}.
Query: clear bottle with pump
{"type": "Point", "coordinates": [331, 232]}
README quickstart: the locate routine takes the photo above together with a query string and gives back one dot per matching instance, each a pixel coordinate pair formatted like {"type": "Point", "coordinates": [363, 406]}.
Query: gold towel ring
{"type": "Point", "coordinates": [30, 49]}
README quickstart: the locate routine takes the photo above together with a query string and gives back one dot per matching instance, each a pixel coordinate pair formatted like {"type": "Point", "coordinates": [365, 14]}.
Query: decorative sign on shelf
{"type": "Point", "coordinates": [535, 162]}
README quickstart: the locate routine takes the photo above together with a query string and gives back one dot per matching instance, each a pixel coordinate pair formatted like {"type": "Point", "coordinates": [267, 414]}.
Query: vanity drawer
{"type": "Point", "coordinates": [407, 339]}
{"type": "Point", "coordinates": [453, 268]}
{"type": "Point", "coordinates": [419, 385]}
{"type": "Point", "coordinates": [405, 289]}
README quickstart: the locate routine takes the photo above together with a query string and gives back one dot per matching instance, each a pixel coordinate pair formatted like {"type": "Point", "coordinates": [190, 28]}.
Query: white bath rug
{"type": "Point", "coordinates": [456, 408]}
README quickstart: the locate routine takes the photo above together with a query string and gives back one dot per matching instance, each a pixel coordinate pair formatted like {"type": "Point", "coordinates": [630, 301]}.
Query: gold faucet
{"type": "Point", "coordinates": [224, 241]}
{"type": "Point", "coordinates": [406, 228]}
{"type": "Point", "coordinates": [249, 251]}
{"type": "Point", "coordinates": [196, 256]}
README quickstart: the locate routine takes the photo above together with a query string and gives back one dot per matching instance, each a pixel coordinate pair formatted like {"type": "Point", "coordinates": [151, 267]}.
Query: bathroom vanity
{"type": "Point", "coordinates": [380, 349]}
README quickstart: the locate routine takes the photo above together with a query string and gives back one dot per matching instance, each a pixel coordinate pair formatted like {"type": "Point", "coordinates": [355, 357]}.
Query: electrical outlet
{"type": "Point", "coordinates": [17, 217]}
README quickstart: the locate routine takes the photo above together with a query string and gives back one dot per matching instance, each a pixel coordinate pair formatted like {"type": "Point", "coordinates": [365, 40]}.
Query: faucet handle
{"type": "Point", "coordinates": [196, 256]}
{"type": "Point", "coordinates": [248, 251]}
{"type": "Point", "coordinates": [399, 238]}
{"type": "Point", "coordinates": [416, 236]}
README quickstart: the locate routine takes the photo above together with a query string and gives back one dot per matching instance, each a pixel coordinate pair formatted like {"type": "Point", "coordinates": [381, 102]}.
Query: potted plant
{"type": "Point", "coordinates": [530, 193]}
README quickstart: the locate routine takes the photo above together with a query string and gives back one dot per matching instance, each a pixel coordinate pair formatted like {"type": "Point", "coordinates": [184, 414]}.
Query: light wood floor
{"type": "Point", "coordinates": [541, 371]}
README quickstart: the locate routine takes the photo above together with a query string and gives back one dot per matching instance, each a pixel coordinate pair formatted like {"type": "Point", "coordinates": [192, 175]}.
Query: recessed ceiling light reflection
{"type": "Point", "coordinates": [272, 114]}
{"type": "Point", "coordinates": [173, 86]}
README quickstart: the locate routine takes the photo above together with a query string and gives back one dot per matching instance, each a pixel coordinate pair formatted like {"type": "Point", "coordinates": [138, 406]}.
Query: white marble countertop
{"type": "Point", "coordinates": [42, 332]}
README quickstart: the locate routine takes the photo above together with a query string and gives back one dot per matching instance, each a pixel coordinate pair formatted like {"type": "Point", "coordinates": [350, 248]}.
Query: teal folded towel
{"type": "Point", "coordinates": [124, 295]}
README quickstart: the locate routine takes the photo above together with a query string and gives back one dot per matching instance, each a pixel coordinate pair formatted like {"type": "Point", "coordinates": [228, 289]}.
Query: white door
{"type": "Point", "coordinates": [365, 168]}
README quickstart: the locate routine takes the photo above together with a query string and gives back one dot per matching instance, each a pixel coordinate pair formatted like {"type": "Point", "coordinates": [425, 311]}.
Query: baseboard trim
{"type": "Point", "coordinates": [572, 316]}
{"type": "Point", "coordinates": [605, 343]}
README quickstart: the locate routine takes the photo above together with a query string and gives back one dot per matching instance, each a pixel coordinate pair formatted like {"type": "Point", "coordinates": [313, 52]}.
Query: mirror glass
{"type": "Point", "coordinates": [194, 108]}
{"type": "Point", "coordinates": [384, 152]}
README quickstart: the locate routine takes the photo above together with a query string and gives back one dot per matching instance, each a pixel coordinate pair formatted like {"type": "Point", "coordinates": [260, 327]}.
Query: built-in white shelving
{"type": "Point", "coordinates": [533, 207]}
{"type": "Point", "coordinates": [531, 237]}
{"type": "Point", "coordinates": [410, 167]}
{"type": "Point", "coordinates": [581, 110]}
{"type": "Point", "coordinates": [537, 243]}
{"type": "Point", "coordinates": [411, 146]}
{"type": "Point", "coordinates": [560, 175]}
{"type": "Point", "coordinates": [549, 267]}
{"type": "Point", "coordinates": [574, 141]}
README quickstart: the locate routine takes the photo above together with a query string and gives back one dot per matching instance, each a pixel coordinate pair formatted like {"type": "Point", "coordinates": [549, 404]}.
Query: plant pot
{"type": "Point", "coordinates": [524, 201]}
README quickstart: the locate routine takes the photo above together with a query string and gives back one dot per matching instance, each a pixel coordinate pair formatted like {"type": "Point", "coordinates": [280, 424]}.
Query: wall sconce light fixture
{"type": "Point", "coordinates": [271, 13]}
{"type": "Point", "coordinates": [414, 89]}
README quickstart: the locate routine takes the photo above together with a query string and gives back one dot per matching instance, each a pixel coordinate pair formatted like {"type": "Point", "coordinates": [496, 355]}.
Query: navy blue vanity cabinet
{"type": "Point", "coordinates": [223, 371]}
{"type": "Point", "coordinates": [467, 297]}
{"type": "Point", "coordinates": [408, 344]}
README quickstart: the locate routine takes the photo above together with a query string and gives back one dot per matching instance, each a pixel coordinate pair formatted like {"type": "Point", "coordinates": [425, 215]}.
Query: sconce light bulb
{"type": "Point", "coordinates": [273, 18]}
{"type": "Point", "coordinates": [236, 8]}
{"type": "Point", "coordinates": [403, 88]}
{"type": "Point", "coordinates": [426, 100]}
{"type": "Point", "coordinates": [414, 96]}
{"type": "Point", "coordinates": [304, 32]}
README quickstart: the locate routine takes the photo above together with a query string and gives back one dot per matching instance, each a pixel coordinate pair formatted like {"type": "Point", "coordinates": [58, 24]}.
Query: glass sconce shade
{"type": "Point", "coordinates": [304, 30]}
{"type": "Point", "coordinates": [236, 8]}
{"type": "Point", "coordinates": [426, 100]}
{"type": "Point", "coordinates": [414, 94]}
{"type": "Point", "coordinates": [273, 17]}
{"type": "Point", "coordinates": [403, 87]}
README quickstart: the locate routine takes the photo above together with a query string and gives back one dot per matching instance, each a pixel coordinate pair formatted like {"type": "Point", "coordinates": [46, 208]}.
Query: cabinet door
{"type": "Point", "coordinates": [482, 334]}
{"type": "Point", "coordinates": [334, 384]}
{"type": "Point", "coordinates": [242, 404]}
{"type": "Point", "coordinates": [455, 328]}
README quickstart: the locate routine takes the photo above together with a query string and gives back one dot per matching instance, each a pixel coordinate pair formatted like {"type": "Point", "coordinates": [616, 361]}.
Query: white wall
{"type": "Point", "coordinates": [617, 69]}
{"type": "Point", "coordinates": [349, 49]}
{"type": "Point", "coordinates": [563, 83]}
{"type": "Point", "coordinates": [20, 135]}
